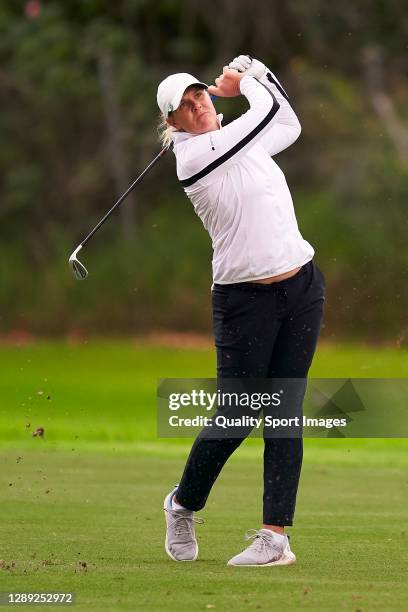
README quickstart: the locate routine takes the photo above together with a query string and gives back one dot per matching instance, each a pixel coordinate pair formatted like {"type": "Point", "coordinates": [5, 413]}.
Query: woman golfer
{"type": "Point", "coordinates": [267, 294]}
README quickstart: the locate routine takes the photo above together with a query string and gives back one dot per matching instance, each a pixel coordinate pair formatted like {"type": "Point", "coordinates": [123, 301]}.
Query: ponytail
{"type": "Point", "coordinates": [165, 131]}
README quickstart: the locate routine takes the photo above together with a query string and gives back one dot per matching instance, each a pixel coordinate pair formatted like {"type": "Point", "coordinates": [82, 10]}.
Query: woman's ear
{"type": "Point", "coordinates": [170, 120]}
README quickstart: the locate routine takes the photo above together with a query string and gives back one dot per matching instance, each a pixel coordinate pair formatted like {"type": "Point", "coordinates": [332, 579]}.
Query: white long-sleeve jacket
{"type": "Point", "coordinates": [240, 193]}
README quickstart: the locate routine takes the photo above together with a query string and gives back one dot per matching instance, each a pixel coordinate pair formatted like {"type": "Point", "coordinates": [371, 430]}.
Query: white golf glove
{"type": "Point", "coordinates": [251, 67]}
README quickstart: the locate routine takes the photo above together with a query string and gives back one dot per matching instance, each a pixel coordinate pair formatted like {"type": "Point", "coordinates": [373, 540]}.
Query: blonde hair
{"type": "Point", "coordinates": [165, 131]}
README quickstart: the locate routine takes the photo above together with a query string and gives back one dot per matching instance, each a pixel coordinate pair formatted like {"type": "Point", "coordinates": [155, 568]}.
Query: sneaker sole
{"type": "Point", "coordinates": [180, 560]}
{"type": "Point", "coordinates": [287, 560]}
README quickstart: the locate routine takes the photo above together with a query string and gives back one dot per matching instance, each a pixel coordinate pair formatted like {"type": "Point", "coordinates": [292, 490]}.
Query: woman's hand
{"type": "Point", "coordinates": [248, 65]}
{"type": "Point", "coordinates": [227, 84]}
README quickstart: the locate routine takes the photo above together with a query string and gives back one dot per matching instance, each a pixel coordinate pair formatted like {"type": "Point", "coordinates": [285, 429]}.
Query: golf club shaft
{"type": "Point", "coordinates": [122, 197]}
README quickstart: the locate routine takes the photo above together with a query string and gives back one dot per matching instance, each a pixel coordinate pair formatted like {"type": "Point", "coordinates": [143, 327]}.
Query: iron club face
{"type": "Point", "coordinates": [78, 269]}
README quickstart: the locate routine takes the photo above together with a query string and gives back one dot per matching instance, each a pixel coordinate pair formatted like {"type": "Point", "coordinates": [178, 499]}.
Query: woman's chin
{"type": "Point", "coordinates": [207, 124]}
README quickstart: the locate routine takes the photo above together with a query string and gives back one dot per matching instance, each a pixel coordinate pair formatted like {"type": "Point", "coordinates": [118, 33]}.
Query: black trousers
{"type": "Point", "coordinates": [261, 331]}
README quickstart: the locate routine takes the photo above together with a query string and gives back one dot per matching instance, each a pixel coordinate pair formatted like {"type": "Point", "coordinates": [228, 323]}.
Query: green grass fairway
{"type": "Point", "coordinates": [106, 391]}
{"type": "Point", "coordinates": [65, 509]}
{"type": "Point", "coordinates": [81, 508]}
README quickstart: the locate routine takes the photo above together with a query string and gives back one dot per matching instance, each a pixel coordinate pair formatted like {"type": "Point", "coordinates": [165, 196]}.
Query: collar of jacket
{"type": "Point", "coordinates": [181, 136]}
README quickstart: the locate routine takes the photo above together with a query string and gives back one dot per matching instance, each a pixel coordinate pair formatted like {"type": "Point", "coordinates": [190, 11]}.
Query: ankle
{"type": "Point", "coordinates": [175, 504]}
{"type": "Point", "coordinates": [276, 528]}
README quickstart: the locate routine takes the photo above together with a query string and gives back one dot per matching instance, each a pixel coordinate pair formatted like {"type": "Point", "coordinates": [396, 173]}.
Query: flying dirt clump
{"type": "Point", "coordinates": [39, 432]}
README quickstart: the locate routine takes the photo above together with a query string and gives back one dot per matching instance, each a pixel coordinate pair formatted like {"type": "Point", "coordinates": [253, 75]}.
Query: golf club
{"type": "Point", "coordinates": [78, 269]}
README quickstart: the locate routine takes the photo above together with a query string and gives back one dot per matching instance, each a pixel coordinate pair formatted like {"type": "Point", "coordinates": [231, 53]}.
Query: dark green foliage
{"type": "Point", "coordinates": [347, 172]}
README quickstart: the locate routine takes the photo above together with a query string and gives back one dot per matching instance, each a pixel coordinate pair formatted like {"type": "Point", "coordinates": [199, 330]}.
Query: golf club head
{"type": "Point", "coordinates": [78, 269]}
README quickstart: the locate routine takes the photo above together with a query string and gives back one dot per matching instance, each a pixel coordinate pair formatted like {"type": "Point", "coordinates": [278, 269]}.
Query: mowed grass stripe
{"type": "Point", "coordinates": [106, 390]}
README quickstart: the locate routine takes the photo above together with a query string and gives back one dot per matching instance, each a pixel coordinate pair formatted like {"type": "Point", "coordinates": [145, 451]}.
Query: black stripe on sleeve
{"type": "Point", "coordinates": [272, 80]}
{"type": "Point", "coordinates": [240, 145]}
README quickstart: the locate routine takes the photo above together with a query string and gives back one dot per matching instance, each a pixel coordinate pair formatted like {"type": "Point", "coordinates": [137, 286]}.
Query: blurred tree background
{"type": "Point", "coordinates": [78, 83]}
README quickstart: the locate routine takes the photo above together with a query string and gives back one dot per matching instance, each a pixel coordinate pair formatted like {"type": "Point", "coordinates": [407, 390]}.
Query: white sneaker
{"type": "Point", "coordinates": [265, 550]}
{"type": "Point", "coordinates": [181, 543]}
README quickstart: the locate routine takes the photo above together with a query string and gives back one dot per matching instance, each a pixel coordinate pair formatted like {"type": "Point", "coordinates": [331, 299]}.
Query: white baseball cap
{"type": "Point", "coordinates": [170, 91]}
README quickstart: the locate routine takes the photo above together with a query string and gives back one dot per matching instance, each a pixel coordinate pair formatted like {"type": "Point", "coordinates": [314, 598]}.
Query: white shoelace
{"type": "Point", "coordinates": [182, 522]}
{"type": "Point", "coordinates": [262, 541]}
